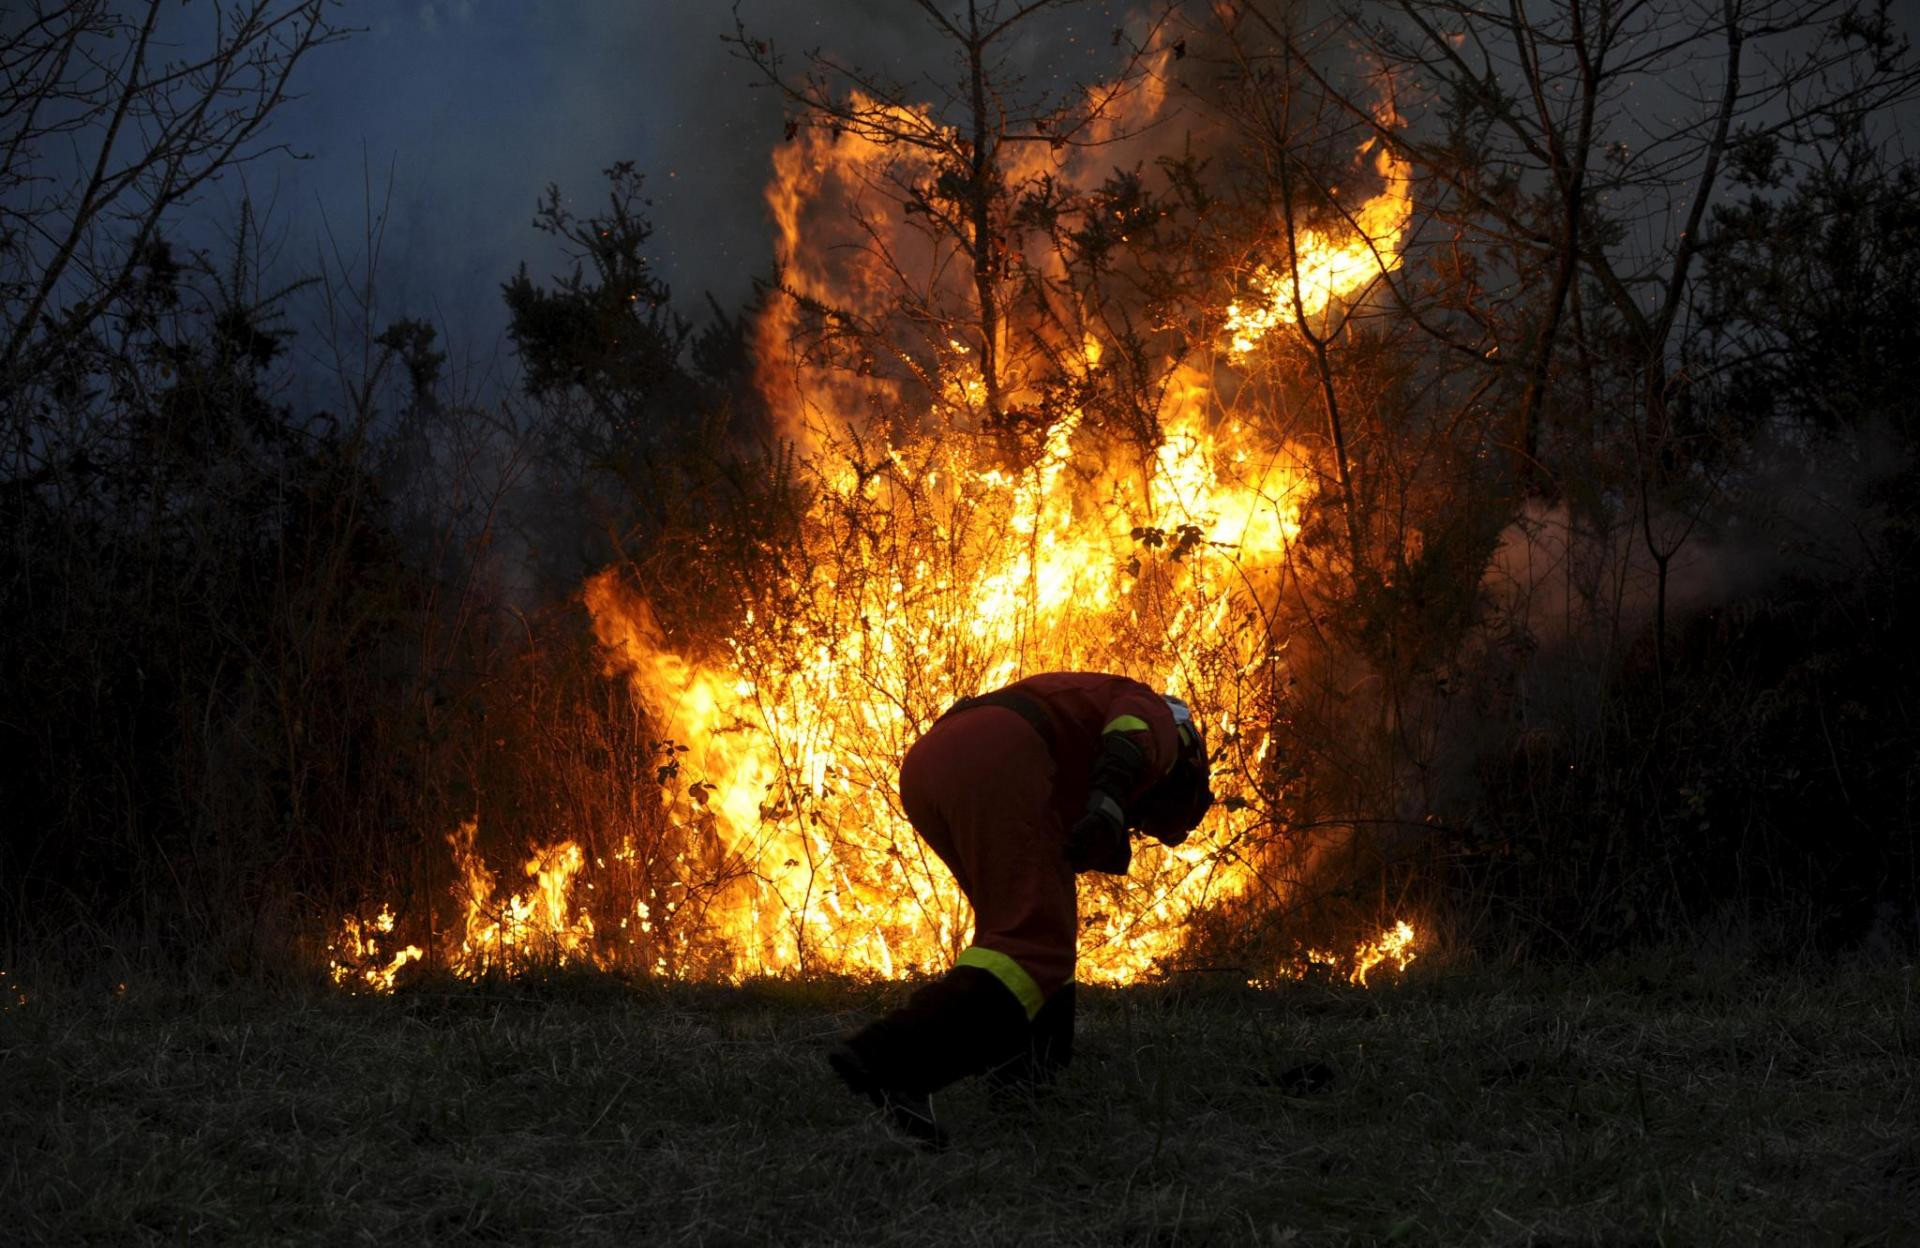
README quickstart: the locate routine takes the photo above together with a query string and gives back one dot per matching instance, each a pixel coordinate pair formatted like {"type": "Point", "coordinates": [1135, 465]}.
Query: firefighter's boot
{"type": "Point", "coordinates": [964, 1023]}
{"type": "Point", "coordinates": [1047, 1052]}
{"type": "Point", "coordinates": [910, 1113]}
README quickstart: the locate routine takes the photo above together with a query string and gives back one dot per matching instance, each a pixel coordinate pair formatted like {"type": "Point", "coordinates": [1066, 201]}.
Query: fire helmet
{"type": "Point", "coordinates": [1174, 806]}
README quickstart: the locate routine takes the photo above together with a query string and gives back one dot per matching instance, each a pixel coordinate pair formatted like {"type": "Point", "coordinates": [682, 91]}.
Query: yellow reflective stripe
{"type": "Point", "coordinates": [1008, 972]}
{"type": "Point", "coordinates": [1125, 723]}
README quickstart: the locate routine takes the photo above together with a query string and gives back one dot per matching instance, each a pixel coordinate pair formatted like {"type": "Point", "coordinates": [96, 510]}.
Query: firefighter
{"type": "Point", "coordinates": [1017, 791]}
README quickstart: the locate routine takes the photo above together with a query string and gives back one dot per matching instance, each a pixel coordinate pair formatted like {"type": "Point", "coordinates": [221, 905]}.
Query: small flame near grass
{"type": "Point", "coordinates": [543, 926]}
{"type": "Point", "coordinates": [1393, 949]}
{"type": "Point", "coordinates": [355, 959]}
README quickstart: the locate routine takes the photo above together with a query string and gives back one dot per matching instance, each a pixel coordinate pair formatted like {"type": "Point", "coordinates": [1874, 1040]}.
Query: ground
{"type": "Point", "coordinates": [1663, 1100]}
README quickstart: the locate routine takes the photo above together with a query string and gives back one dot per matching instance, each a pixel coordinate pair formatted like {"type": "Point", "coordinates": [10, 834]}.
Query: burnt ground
{"type": "Point", "coordinates": [1659, 1100]}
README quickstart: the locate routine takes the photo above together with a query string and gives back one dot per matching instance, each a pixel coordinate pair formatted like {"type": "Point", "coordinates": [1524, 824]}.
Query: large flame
{"type": "Point", "coordinates": [1322, 268]}
{"type": "Point", "coordinates": [928, 570]}
{"type": "Point", "coordinates": [980, 576]}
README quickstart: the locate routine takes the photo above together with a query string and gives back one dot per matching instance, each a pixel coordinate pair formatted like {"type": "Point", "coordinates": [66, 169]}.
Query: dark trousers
{"type": "Point", "coordinates": [978, 789]}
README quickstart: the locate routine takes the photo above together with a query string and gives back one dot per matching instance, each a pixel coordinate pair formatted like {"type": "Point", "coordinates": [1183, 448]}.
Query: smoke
{"type": "Point", "coordinates": [1571, 601]}
{"type": "Point", "coordinates": [1800, 508]}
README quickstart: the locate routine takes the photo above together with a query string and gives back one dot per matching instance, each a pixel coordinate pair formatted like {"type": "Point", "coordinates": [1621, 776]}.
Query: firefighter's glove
{"type": "Point", "coordinates": [1098, 839]}
{"type": "Point", "coordinates": [1117, 771]}
{"type": "Point", "coordinates": [1098, 842]}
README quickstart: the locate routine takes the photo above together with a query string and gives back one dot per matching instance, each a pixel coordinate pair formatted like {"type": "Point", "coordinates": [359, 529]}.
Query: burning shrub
{"type": "Point", "coordinates": [996, 473]}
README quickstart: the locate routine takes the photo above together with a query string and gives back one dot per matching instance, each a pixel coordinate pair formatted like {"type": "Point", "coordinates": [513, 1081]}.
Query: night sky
{"type": "Point", "coordinates": [474, 106]}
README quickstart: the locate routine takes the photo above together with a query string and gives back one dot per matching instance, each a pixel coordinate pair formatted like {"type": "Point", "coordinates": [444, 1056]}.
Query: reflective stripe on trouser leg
{"type": "Point", "coordinates": [1009, 973]}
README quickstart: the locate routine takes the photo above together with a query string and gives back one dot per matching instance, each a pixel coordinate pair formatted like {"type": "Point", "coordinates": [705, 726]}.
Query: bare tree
{"type": "Point", "coordinates": [1567, 161]}
{"type": "Point", "coordinates": [1586, 142]}
{"type": "Point", "coordinates": [971, 172]}
{"type": "Point", "coordinates": [106, 125]}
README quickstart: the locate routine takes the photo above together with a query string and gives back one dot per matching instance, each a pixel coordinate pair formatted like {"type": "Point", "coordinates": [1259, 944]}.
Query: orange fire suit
{"type": "Point", "coordinates": [992, 790]}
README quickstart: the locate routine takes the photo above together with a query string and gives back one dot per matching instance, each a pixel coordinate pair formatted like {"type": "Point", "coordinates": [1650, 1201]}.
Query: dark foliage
{"type": "Point", "coordinates": [1814, 297]}
{"type": "Point", "coordinates": [201, 599]}
{"type": "Point", "coordinates": [610, 333]}
{"type": "Point", "coordinates": [1767, 788]}
{"type": "Point", "coordinates": [1766, 779]}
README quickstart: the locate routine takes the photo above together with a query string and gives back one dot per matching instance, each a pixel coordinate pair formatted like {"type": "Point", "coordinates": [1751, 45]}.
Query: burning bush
{"type": "Point", "coordinates": [996, 472]}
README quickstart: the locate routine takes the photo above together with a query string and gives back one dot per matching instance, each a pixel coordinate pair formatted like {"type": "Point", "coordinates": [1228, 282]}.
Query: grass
{"type": "Point", "coordinates": [1658, 1101]}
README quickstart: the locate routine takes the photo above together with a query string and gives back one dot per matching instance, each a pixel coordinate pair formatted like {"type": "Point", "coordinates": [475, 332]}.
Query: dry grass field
{"type": "Point", "coordinates": [1664, 1100]}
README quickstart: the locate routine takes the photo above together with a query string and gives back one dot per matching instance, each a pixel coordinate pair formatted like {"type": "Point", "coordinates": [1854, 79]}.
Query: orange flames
{"type": "Point", "coordinates": [980, 576]}
{"type": "Point", "coordinates": [927, 575]}
{"type": "Point", "coordinates": [1394, 948]}
{"type": "Point", "coordinates": [356, 960]}
{"type": "Point", "coordinates": [1325, 269]}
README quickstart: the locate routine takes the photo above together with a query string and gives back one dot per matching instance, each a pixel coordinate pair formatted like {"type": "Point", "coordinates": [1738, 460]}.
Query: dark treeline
{"type": "Point", "coordinates": [259, 658]}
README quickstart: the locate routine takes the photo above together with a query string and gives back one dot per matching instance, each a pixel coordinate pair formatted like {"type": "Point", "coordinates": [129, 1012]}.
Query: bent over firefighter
{"type": "Point", "coordinates": [1017, 791]}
